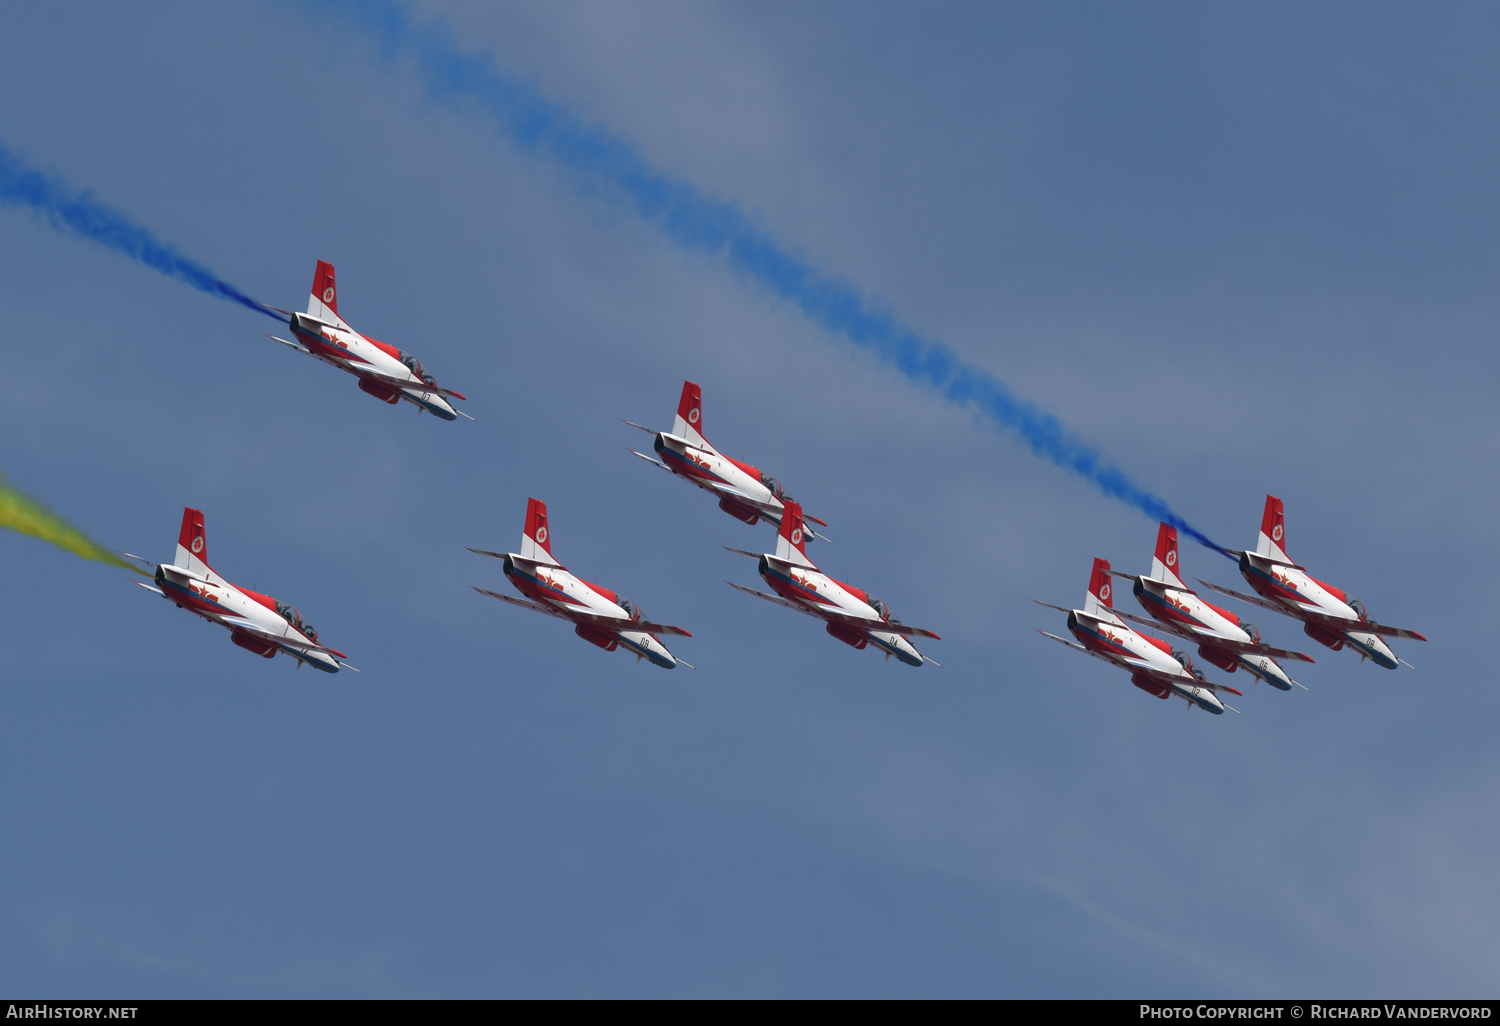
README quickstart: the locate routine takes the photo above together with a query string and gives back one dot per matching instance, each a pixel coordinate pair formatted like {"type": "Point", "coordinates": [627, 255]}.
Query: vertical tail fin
{"type": "Point", "coordinates": [1099, 601]}
{"type": "Point", "coordinates": [791, 543]}
{"type": "Point", "coordinates": [689, 422]}
{"type": "Point", "coordinates": [1272, 540]}
{"type": "Point", "coordinates": [323, 301]}
{"type": "Point", "coordinates": [536, 541]}
{"type": "Point", "coordinates": [1164, 566]}
{"type": "Point", "coordinates": [192, 544]}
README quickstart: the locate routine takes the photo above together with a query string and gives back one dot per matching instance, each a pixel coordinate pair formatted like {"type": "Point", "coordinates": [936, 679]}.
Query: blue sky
{"type": "Point", "coordinates": [1242, 250]}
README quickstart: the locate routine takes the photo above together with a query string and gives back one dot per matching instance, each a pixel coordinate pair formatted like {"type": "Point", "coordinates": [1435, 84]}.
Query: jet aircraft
{"type": "Point", "coordinates": [1328, 615]}
{"type": "Point", "coordinates": [852, 615]}
{"type": "Point", "coordinates": [256, 622]}
{"type": "Point", "coordinates": [1155, 666]}
{"type": "Point", "coordinates": [598, 615]}
{"type": "Point", "coordinates": [744, 492]}
{"type": "Point", "coordinates": [383, 371]}
{"type": "Point", "coordinates": [1222, 637]}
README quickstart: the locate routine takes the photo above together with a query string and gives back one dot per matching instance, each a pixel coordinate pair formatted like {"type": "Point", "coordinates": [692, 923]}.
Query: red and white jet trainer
{"type": "Point", "coordinates": [1155, 666]}
{"type": "Point", "coordinates": [744, 492]}
{"type": "Point", "coordinates": [256, 622]}
{"type": "Point", "coordinates": [1328, 616]}
{"type": "Point", "coordinates": [1222, 637]}
{"type": "Point", "coordinates": [598, 615]}
{"type": "Point", "coordinates": [852, 615]}
{"type": "Point", "coordinates": [383, 371]}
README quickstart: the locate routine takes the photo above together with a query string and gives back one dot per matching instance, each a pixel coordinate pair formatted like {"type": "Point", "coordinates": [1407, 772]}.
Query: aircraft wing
{"type": "Point", "coordinates": [772, 598]}
{"type": "Point", "coordinates": [1252, 599]}
{"type": "Point", "coordinates": [1365, 626]}
{"type": "Point", "coordinates": [1155, 674]}
{"type": "Point", "coordinates": [245, 626]}
{"type": "Point", "coordinates": [391, 381]}
{"type": "Point", "coordinates": [616, 624]}
{"type": "Point", "coordinates": [1213, 640]}
{"type": "Point", "coordinates": [535, 607]}
{"type": "Point", "coordinates": [884, 626]}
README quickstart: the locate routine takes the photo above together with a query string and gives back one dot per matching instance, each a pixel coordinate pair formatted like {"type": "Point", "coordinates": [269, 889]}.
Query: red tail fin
{"type": "Point", "coordinates": [1099, 584]}
{"type": "Point", "coordinates": [1272, 541]}
{"type": "Point", "coordinates": [689, 421]}
{"type": "Point", "coordinates": [792, 542]}
{"type": "Point", "coordinates": [323, 287]}
{"type": "Point", "coordinates": [192, 541]}
{"type": "Point", "coordinates": [536, 541]}
{"type": "Point", "coordinates": [1164, 566]}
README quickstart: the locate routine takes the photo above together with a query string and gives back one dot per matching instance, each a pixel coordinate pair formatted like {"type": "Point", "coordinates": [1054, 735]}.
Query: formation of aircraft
{"type": "Point", "coordinates": [850, 613]}
{"type": "Point", "coordinates": [256, 622]}
{"type": "Point", "coordinates": [1328, 615]}
{"type": "Point", "coordinates": [1223, 639]}
{"type": "Point", "coordinates": [744, 492]}
{"type": "Point", "coordinates": [599, 616]}
{"type": "Point", "coordinates": [1154, 666]}
{"type": "Point", "coordinates": [261, 624]}
{"type": "Point", "coordinates": [383, 370]}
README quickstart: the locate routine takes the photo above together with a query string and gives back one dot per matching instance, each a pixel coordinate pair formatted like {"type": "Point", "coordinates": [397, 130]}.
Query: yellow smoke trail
{"type": "Point", "coordinates": [21, 513]}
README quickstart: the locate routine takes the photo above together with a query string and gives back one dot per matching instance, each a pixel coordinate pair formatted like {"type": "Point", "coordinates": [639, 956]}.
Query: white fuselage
{"type": "Point", "coordinates": [215, 599]}
{"type": "Point", "coordinates": [1307, 599]}
{"type": "Point", "coordinates": [577, 600]}
{"type": "Point", "coordinates": [1106, 637]}
{"type": "Point", "coordinates": [832, 600]}
{"type": "Point", "coordinates": [348, 350]}
{"type": "Point", "coordinates": [710, 470]}
{"type": "Point", "coordinates": [1187, 613]}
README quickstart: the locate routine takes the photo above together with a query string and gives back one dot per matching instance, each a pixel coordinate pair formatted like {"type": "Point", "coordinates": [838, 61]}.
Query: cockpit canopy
{"type": "Point", "coordinates": [775, 486]}
{"type": "Point", "coordinates": [415, 366]}
{"type": "Point", "coordinates": [1252, 630]}
{"type": "Point", "coordinates": [629, 607]}
{"type": "Point", "coordinates": [1187, 663]}
{"type": "Point", "coordinates": [1359, 607]}
{"type": "Point", "coordinates": [291, 616]}
{"type": "Point", "coordinates": [885, 612]}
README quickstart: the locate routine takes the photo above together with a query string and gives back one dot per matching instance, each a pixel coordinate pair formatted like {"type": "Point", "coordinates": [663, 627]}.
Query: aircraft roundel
{"type": "Point", "coordinates": [693, 415]}
{"type": "Point", "coordinates": [197, 545]}
{"type": "Point", "coordinates": [328, 294]}
{"type": "Point", "coordinates": [1104, 593]}
{"type": "Point", "coordinates": [1276, 533]}
{"type": "Point", "coordinates": [796, 536]}
{"type": "Point", "coordinates": [1171, 558]}
{"type": "Point", "coordinates": [541, 535]}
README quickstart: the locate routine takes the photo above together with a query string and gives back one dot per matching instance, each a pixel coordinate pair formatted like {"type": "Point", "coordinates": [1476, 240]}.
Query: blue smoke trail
{"type": "Point", "coordinates": [79, 212]}
{"type": "Point", "coordinates": [605, 165]}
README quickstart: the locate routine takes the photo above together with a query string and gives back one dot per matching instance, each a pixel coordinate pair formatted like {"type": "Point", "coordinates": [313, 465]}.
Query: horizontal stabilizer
{"type": "Point", "coordinates": [1255, 600]}
{"type": "Point", "coordinates": [639, 427]}
{"type": "Point", "coordinates": [742, 552]}
{"type": "Point", "coordinates": [290, 345]}
{"type": "Point", "coordinates": [150, 587]}
{"type": "Point", "coordinates": [139, 559]}
{"type": "Point", "coordinates": [1061, 641]}
{"type": "Point", "coordinates": [535, 607]}
{"type": "Point", "coordinates": [648, 459]}
{"type": "Point", "coordinates": [1049, 605]}
{"type": "Point", "coordinates": [770, 598]}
